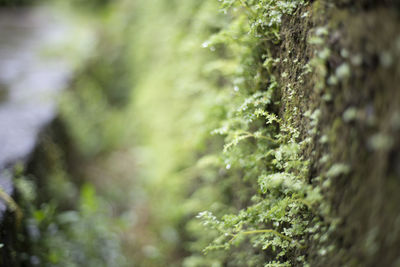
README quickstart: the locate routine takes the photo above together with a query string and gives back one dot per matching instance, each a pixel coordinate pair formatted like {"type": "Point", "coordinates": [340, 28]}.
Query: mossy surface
{"type": "Point", "coordinates": [359, 103]}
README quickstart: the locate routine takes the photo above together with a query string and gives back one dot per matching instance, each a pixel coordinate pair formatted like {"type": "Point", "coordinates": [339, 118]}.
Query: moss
{"type": "Point", "coordinates": [361, 198]}
{"type": "Point", "coordinates": [368, 84]}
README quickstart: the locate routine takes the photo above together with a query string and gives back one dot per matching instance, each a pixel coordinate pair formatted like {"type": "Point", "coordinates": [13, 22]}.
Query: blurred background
{"type": "Point", "coordinates": [109, 161]}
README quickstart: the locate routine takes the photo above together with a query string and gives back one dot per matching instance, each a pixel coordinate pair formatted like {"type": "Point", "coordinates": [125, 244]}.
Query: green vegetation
{"type": "Point", "coordinates": [69, 219]}
{"type": "Point", "coordinates": [235, 156]}
{"type": "Point", "coordinates": [223, 133]}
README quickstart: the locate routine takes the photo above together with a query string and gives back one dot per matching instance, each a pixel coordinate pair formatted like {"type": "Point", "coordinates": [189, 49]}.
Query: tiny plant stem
{"type": "Point", "coordinates": [244, 4]}
{"type": "Point", "coordinates": [245, 136]}
{"type": "Point", "coordinates": [12, 205]}
{"type": "Point", "coordinates": [248, 134]}
{"type": "Point", "coordinates": [269, 231]}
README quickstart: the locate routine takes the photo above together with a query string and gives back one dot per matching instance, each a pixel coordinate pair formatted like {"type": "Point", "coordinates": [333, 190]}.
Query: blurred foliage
{"type": "Point", "coordinates": [94, 107]}
{"type": "Point", "coordinates": [206, 107]}
{"type": "Point", "coordinates": [69, 219]}
{"type": "Point", "coordinates": [85, 236]}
